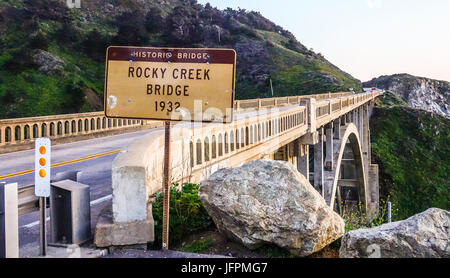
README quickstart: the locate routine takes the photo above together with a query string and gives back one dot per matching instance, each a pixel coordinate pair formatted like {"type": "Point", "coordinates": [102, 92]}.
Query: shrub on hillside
{"type": "Point", "coordinates": [154, 21]}
{"type": "Point", "coordinates": [39, 41]}
{"type": "Point", "coordinates": [67, 35]}
{"type": "Point", "coordinates": [187, 214]}
{"type": "Point", "coordinates": [132, 30]}
{"type": "Point", "coordinates": [47, 9]}
{"type": "Point", "coordinates": [22, 58]}
{"type": "Point", "coordinates": [95, 45]}
{"type": "Point", "coordinates": [183, 27]}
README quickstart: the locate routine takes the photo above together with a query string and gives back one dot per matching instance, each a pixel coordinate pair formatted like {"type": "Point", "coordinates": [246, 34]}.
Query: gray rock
{"type": "Point", "coordinates": [424, 235]}
{"type": "Point", "coordinates": [419, 92]}
{"type": "Point", "coordinates": [268, 201]}
{"type": "Point", "coordinates": [47, 62]}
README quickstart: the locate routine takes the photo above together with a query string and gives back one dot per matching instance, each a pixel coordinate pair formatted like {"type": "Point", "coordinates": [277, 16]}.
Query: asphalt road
{"type": "Point", "coordinates": [93, 158]}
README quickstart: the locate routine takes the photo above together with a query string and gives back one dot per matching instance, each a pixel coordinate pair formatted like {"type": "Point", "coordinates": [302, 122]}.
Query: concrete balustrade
{"type": "Point", "coordinates": [198, 150]}
{"type": "Point", "coordinates": [280, 101]}
{"type": "Point", "coordinates": [17, 134]}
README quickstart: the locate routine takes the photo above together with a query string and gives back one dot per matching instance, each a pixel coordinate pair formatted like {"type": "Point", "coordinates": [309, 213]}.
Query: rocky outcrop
{"type": "Point", "coordinates": [422, 93]}
{"type": "Point", "coordinates": [268, 201]}
{"type": "Point", "coordinates": [48, 63]}
{"type": "Point", "coordinates": [424, 235]}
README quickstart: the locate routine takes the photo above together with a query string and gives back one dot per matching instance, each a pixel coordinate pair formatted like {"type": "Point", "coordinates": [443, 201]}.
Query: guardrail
{"type": "Point", "coordinates": [28, 202]}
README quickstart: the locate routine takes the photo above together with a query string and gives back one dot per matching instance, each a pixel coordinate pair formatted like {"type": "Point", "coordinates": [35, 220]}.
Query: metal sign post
{"type": "Point", "coordinates": [42, 186]}
{"type": "Point", "coordinates": [42, 227]}
{"type": "Point", "coordinates": [166, 187]}
{"type": "Point", "coordinates": [170, 84]}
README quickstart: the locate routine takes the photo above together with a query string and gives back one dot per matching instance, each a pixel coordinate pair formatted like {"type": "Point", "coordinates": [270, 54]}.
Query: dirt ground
{"type": "Point", "coordinates": [218, 244]}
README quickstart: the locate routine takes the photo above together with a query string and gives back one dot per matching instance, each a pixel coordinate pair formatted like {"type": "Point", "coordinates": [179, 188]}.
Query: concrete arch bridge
{"type": "Point", "coordinates": [326, 136]}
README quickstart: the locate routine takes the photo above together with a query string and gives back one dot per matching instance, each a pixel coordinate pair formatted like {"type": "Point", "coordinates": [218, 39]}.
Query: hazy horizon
{"type": "Point", "coordinates": [366, 38]}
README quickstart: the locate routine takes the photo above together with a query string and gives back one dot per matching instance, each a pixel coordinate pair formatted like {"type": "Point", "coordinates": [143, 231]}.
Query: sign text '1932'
{"type": "Point", "coordinates": [170, 83]}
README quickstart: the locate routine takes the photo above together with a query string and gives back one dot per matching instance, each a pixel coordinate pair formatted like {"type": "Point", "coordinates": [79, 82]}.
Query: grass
{"type": "Point", "coordinates": [356, 217]}
{"type": "Point", "coordinates": [301, 75]}
{"type": "Point", "coordinates": [197, 246]}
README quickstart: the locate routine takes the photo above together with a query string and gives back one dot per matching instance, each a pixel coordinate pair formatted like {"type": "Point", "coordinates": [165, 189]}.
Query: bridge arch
{"type": "Point", "coordinates": [349, 139]}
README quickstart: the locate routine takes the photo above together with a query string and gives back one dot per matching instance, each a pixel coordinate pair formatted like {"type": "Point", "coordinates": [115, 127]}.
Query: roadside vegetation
{"type": "Point", "coordinates": [356, 217]}
{"type": "Point", "coordinates": [187, 215]}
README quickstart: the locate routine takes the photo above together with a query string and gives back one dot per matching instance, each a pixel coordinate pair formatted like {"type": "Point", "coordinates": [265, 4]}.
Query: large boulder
{"type": "Point", "coordinates": [48, 63]}
{"type": "Point", "coordinates": [424, 235]}
{"type": "Point", "coordinates": [268, 201]}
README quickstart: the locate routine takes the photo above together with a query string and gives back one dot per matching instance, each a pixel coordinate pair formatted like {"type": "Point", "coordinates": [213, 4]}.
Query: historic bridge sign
{"type": "Point", "coordinates": [170, 83]}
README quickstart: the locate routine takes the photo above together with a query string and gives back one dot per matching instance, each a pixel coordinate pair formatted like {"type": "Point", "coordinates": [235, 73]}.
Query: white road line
{"type": "Point", "coordinates": [93, 203]}
{"type": "Point", "coordinates": [35, 223]}
{"type": "Point", "coordinates": [101, 200]}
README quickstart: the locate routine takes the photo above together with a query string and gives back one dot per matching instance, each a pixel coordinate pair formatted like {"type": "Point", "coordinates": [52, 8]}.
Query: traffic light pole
{"type": "Point", "coordinates": [42, 226]}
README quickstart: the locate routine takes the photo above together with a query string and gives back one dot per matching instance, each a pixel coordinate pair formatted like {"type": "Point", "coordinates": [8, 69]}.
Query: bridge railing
{"type": "Point", "coordinates": [25, 130]}
{"type": "Point", "coordinates": [336, 106]}
{"type": "Point", "coordinates": [281, 101]}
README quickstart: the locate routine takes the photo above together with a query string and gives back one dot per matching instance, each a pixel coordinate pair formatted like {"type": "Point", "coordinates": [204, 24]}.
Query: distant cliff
{"type": "Point", "coordinates": [419, 92]}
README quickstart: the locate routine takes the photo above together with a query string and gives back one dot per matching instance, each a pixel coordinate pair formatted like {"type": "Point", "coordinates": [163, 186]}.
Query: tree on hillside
{"type": "Point", "coordinates": [47, 9]}
{"type": "Point", "coordinates": [68, 34]}
{"type": "Point", "coordinates": [183, 26]}
{"type": "Point", "coordinates": [95, 45]}
{"type": "Point", "coordinates": [154, 21]}
{"type": "Point", "coordinates": [131, 29]}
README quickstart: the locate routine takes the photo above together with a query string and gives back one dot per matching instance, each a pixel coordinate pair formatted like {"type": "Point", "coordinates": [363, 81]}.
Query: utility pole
{"type": "Point", "coordinates": [271, 87]}
{"type": "Point", "coordinates": [218, 32]}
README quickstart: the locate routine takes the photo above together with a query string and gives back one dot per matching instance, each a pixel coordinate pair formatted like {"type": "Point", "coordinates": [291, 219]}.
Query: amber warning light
{"type": "Point", "coordinates": [42, 167]}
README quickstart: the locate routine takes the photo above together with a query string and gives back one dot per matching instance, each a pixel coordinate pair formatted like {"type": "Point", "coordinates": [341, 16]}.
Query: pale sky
{"type": "Point", "coordinates": [366, 38]}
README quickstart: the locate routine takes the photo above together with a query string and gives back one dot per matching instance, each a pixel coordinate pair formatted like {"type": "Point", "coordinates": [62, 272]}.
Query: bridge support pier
{"type": "Point", "coordinates": [303, 159]}
{"type": "Point", "coordinates": [336, 129]}
{"type": "Point", "coordinates": [318, 163]}
{"type": "Point", "coordinates": [329, 134]}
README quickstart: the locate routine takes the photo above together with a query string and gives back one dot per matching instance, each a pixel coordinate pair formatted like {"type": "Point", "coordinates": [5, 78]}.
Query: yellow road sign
{"type": "Point", "coordinates": [189, 84]}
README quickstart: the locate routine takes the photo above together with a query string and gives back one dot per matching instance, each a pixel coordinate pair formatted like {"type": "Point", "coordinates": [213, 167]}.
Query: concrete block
{"type": "Point", "coordinates": [68, 175]}
{"type": "Point", "coordinates": [9, 221]}
{"type": "Point", "coordinates": [109, 233]}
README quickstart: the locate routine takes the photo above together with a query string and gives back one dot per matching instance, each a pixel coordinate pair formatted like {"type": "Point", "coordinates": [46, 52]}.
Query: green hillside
{"type": "Point", "coordinates": [52, 57]}
{"type": "Point", "coordinates": [412, 148]}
